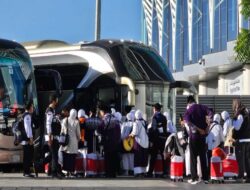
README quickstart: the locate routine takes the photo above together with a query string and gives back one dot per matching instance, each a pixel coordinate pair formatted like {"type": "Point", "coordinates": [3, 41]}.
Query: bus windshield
{"type": "Point", "coordinates": [13, 77]}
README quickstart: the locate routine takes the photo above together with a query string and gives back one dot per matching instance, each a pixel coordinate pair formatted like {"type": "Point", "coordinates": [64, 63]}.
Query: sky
{"type": "Point", "coordinates": [69, 20]}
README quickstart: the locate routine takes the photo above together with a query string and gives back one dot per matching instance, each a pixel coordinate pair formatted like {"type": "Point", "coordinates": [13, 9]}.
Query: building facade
{"type": "Point", "coordinates": [197, 39]}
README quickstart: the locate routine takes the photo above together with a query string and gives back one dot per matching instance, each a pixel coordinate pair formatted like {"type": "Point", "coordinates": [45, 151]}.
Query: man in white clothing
{"type": "Point", "coordinates": [27, 140]}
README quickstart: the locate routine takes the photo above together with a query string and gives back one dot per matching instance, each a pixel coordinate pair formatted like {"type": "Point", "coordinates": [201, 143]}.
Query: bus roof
{"type": "Point", "coordinates": [147, 63]}
{"type": "Point", "coordinates": [7, 44]}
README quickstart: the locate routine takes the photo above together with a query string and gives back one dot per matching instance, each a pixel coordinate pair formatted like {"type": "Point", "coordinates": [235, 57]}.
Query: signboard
{"type": "Point", "coordinates": [234, 83]}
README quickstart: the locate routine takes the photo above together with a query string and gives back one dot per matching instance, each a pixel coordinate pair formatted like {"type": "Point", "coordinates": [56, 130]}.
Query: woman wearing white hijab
{"type": "Point", "coordinates": [141, 150]}
{"type": "Point", "coordinates": [82, 113]}
{"type": "Point", "coordinates": [127, 156]}
{"type": "Point", "coordinates": [170, 126]}
{"type": "Point", "coordinates": [71, 126]}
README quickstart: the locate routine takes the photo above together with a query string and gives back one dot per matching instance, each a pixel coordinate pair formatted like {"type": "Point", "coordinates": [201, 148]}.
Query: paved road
{"type": "Point", "coordinates": [17, 182]}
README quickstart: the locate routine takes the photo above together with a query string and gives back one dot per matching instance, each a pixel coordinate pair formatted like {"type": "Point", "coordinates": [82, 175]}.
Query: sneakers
{"type": "Point", "coordinates": [190, 181]}
{"type": "Point", "coordinates": [206, 181]}
{"type": "Point", "coordinates": [194, 182]}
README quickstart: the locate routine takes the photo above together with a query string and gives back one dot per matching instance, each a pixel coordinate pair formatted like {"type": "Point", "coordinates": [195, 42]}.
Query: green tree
{"type": "Point", "coordinates": [242, 47]}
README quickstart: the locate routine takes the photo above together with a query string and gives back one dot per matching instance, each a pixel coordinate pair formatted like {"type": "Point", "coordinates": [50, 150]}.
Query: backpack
{"type": "Point", "coordinates": [19, 131]}
{"type": "Point", "coordinates": [153, 133]}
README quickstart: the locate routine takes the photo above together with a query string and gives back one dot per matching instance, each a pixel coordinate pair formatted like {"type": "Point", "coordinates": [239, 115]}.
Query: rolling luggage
{"type": "Point", "coordinates": [80, 162]}
{"type": "Point", "coordinates": [91, 165]}
{"type": "Point", "coordinates": [216, 170]}
{"type": "Point", "coordinates": [230, 165]}
{"type": "Point", "coordinates": [92, 162]}
{"type": "Point", "coordinates": [100, 165]}
{"type": "Point", "coordinates": [46, 168]}
{"type": "Point", "coordinates": [176, 168]}
{"type": "Point", "coordinates": [158, 169]}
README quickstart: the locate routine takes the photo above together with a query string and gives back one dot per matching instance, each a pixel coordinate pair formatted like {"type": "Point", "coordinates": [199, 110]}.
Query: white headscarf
{"type": "Point", "coordinates": [72, 114]}
{"type": "Point", "coordinates": [225, 115]}
{"type": "Point", "coordinates": [138, 114]}
{"type": "Point", "coordinates": [118, 116]}
{"type": "Point", "coordinates": [167, 115]}
{"type": "Point", "coordinates": [113, 111]}
{"type": "Point", "coordinates": [81, 113]}
{"type": "Point", "coordinates": [132, 112]}
{"type": "Point", "coordinates": [130, 117]}
{"type": "Point", "coordinates": [217, 118]}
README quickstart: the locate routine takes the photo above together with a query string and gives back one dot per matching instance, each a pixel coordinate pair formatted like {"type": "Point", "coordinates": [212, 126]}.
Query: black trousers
{"type": "Point", "coordinates": [209, 156]}
{"type": "Point", "coordinates": [55, 169]}
{"type": "Point", "coordinates": [52, 158]}
{"type": "Point", "coordinates": [157, 148]}
{"type": "Point", "coordinates": [111, 159]}
{"type": "Point", "coordinates": [28, 153]}
{"type": "Point", "coordinates": [198, 148]}
{"type": "Point", "coordinates": [242, 151]}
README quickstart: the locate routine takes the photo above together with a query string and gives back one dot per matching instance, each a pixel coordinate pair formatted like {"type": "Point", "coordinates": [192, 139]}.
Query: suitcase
{"type": "Point", "coordinates": [176, 168]}
{"type": "Point", "coordinates": [46, 168]}
{"type": "Point", "coordinates": [216, 170]}
{"type": "Point", "coordinates": [80, 162]}
{"type": "Point", "coordinates": [91, 165]}
{"type": "Point", "coordinates": [158, 169]}
{"type": "Point", "coordinates": [230, 165]}
{"type": "Point", "coordinates": [100, 165]}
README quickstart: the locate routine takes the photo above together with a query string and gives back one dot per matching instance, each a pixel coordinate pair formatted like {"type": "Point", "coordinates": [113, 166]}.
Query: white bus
{"type": "Point", "coordinates": [122, 74]}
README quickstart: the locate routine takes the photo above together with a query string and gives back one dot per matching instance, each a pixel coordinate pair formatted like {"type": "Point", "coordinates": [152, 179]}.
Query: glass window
{"type": "Point", "coordinates": [200, 34]}
{"type": "Point", "coordinates": [232, 20]}
{"type": "Point", "coordinates": [170, 65]}
{"type": "Point", "coordinates": [12, 83]}
{"type": "Point", "coordinates": [185, 33]}
{"type": "Point", "coordinates": [179, 37]}
{"type": "Point", "coordinates": [197, 30]}
{"type": "Point", "coordinates": [155, 34]}
{"type": "Point", "coordinates": [165, 38]}
{"type": "Point", "coordinates": [216, 28]}
{"type": "Point", "coordinates": [223, 25]}
{"type": "Point", "coordinates": [205, 28]}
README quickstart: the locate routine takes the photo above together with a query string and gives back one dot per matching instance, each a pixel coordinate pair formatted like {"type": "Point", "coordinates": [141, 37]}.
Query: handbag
{"type": "Point", "coordinates": [64, 137]}
{"type": "Point", "coordinates": [128, 143]}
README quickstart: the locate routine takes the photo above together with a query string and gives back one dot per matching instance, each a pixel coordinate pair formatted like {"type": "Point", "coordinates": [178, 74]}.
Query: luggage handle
{"type": "Point", "coordinates": [229, 149]}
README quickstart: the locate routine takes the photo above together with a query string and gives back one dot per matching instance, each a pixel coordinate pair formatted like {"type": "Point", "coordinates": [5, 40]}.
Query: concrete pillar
{"type": "Point", "coordinates": [221, 85]}
{"type": "Point", "coordinates": [202, 88]}
{"type": "Point", "coordinates": [246, 80]}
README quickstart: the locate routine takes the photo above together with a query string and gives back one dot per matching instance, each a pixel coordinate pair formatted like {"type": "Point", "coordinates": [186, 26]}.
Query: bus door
{"type": "Point", "coordinates": [114, 96]}
{"type": "Point", "coordinates": [84, 98]}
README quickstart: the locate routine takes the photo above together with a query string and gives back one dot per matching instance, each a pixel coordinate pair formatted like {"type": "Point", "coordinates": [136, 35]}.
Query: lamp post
{"type": "Point", "coordinates": [98, 19]}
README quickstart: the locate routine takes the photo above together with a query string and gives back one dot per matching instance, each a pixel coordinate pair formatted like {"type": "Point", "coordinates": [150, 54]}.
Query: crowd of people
{"type": "Point", "coordinates": [103, 130]}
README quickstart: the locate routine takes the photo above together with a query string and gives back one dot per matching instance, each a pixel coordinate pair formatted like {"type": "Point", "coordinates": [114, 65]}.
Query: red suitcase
{"type": "Point", "coordinates": [91, 165]}
{"type": "Point", "coordinates": [176, 168]}
{"type": "Point", "coordinates": [46, 168]}
{"type": "Point", "coordinates": [158, 169]}
{"type": "Point", "coordinates": [80, 162]}
{"type": "Point", "coordinates": [230, 165]}
{"type": "Point", "coordinates": [100, 165]}
{"type": "Point", "coordinates": [216, 169]}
